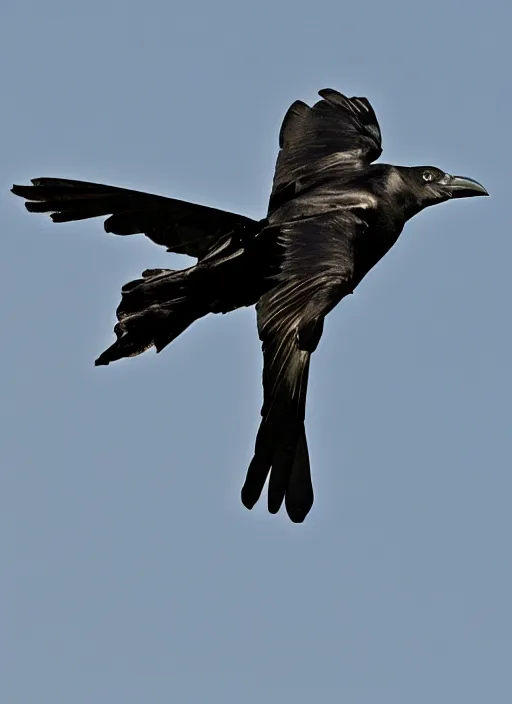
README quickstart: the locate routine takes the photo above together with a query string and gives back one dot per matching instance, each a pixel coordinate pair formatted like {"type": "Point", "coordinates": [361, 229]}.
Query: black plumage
{"type": "Point", "coordinates": [332, 216]}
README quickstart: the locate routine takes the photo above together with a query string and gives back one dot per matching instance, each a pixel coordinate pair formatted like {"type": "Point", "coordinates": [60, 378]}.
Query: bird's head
{"type": "Point", "coordinates": [431, 185]}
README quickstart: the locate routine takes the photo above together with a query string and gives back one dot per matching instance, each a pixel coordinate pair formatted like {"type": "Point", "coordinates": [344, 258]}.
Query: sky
{"type": "Point", "coordinates": [131, 572]}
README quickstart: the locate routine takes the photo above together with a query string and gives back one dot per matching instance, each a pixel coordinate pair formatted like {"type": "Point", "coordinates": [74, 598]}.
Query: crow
{"type": "Point", "coordinates": [333, 214]}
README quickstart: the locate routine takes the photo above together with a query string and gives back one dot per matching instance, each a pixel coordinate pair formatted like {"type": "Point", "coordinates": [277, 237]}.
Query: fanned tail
{"type": "Point", "coordinates": [153, 312]}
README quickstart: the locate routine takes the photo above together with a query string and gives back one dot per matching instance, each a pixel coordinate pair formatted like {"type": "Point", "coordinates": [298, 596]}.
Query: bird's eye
{"type": "Point", "coordinates": [428, 176]}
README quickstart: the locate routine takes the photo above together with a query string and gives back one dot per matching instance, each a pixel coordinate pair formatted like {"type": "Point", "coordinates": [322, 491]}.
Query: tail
{"type": "Point", "coordinates": [158, 307]}
{"type": "Point", "coordinates": [153, 311]}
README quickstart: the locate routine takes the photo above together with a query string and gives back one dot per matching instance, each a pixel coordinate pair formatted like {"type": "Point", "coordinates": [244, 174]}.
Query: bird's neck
{"type": "Point", "coordinates": [401, 200]}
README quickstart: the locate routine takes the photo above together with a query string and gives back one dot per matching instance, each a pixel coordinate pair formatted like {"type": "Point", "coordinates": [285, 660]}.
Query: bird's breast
{"type": "Point", "coordinates": [373, 243]}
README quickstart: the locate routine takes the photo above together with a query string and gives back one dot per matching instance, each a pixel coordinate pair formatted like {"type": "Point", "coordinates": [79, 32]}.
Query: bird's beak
{"type": "Point", "coordinates": [462, 187]}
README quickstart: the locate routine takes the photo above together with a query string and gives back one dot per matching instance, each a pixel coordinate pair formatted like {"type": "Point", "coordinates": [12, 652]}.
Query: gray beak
{"type": "Point", "coordinates": [462, 187]}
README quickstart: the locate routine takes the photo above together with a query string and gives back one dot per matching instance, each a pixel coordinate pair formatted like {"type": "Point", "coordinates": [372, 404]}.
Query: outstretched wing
{"type": "Point", "coordinates": [337, 132]}
{"type": "Point", "coordinates": [316, 273]}
{"type": "Point", "coordinates": [184, 228]}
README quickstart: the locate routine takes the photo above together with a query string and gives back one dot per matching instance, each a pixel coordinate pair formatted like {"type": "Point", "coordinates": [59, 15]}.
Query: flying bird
{"type": "Point", "coordinates": [333, 214]}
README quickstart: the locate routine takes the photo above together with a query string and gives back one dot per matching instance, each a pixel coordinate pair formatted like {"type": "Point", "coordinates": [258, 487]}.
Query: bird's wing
{"type": "Point", "coordinates": [184, 228]}
{"type": "Point", "coordinates": [337, 132]}
{"type": "Point", "coordinates": [315, 273]}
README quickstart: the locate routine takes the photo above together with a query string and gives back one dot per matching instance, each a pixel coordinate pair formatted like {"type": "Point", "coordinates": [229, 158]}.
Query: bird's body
{"type": "Point", "coordinates": [333, 214]}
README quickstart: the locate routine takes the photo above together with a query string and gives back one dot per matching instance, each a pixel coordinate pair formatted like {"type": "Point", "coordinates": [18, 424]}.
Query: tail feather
{"type": "Point", "coordinates": [153, 312]}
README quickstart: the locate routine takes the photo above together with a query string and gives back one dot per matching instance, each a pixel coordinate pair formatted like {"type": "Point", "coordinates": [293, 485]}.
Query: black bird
{"type": "Point", "coordinates": [332, 216]}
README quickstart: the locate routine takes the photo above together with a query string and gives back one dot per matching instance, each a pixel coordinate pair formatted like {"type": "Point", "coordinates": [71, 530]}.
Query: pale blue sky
{"type": "Point", "coordinates": [133, 573]}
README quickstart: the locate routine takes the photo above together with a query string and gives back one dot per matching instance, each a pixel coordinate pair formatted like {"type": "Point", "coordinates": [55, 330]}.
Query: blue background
{"type": "Point", "coordinates": [132, 572]}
